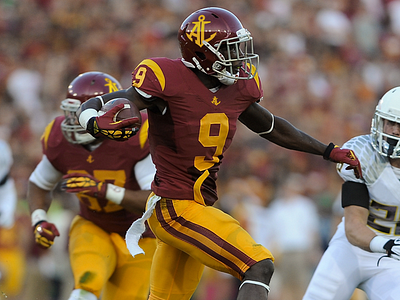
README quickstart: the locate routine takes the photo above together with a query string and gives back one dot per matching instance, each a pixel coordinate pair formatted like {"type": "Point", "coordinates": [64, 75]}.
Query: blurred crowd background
{"type": "Point", "coordinates": [323, 64]}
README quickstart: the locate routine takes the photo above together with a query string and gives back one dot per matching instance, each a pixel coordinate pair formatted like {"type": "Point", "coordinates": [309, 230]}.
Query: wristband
{"type": "Point", "coordinates": [377, 243]}
{"type": "Point", "coordinates": [38, 215]}
{"type": "Point", "coordinates": [86, 115]}
{"type": "Point", "coordinates": [115, 193]}
{"type": "Point", "coordinates": [328, 151]}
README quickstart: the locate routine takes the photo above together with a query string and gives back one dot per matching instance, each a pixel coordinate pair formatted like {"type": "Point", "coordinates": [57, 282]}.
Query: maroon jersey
{"type": "Point", "coordinates": [112, 162]}
{"type": "Point", "coordinates": [187, 143]}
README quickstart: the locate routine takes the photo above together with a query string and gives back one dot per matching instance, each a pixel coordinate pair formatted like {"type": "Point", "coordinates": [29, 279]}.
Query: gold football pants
{"type": "Point", "coordinates": [12, 263]}
{"type": "Point", "coordinates": [102, 264]}
{"type": "Point", "coordinates": [190, 236]}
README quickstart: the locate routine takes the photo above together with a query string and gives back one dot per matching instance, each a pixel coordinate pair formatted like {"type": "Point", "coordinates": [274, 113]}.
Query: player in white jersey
{"type": "Point", "coordinates": [8, 194]}
{"type": "Point", "coordinates": [364, 253]}
{"type": "Point", "coordinates": [12, 256]}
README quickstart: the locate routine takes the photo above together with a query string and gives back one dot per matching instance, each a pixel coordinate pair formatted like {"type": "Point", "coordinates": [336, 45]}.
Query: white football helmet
{"type": "Point", "coordinates": [388, 108]}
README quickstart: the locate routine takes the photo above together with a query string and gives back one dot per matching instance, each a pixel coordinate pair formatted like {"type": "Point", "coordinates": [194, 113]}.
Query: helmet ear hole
{"type": "Point", "coordinates": [201, 55]}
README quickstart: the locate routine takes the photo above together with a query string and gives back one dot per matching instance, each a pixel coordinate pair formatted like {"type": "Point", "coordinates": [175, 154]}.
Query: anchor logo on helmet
{"type": "Point", "coordinates": [198, 31]}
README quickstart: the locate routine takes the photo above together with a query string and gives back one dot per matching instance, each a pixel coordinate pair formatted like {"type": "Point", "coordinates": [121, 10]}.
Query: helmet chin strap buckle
{"type": "Point", "coordinates": [223, 76]}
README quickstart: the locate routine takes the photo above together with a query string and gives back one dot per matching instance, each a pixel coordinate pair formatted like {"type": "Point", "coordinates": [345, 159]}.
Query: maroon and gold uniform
{"type": "Point", "coordinates": [110, 162]}
{"type": "Point", "coordinates": [12, 261]}
{"type": "Point", "coordinates": [189, 140]}
{"type": "Point", "coordinates": [102, 224]}
{"type": "Point", "coordinates": [187, 144]}
{"type": "Point", "coordinates": [194, 104]}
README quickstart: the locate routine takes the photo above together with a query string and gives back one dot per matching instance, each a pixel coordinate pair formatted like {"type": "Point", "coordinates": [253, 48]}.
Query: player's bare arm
{"type": "Point", "coordinates": [39, 202]}
{"type": "Point", "coordinates": [97, 102]}
{"type": "Point", "coordinates": [38, 198]}
{"type": "Point", "coordinates": [284, 134]}
{"type": "Point", "coordinates": [356, 228]}
{"type": "Point", "coordinates": [259, 120]}
{"type": "Point", "coordinates": [132, 200]}
{"type": "Point", "coordinates": [135, 201]}
{"type": "Point", "coordinates": [130, 93]}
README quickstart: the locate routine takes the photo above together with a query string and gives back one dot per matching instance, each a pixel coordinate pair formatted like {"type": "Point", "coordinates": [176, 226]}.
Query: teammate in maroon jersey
{"type": "Point", "coordinates": [193, 105]}
{"type": "Point", "coordinates": [112, 181]}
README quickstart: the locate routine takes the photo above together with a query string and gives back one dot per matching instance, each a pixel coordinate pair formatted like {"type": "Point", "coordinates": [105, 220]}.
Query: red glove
{"type": "Point", "coordinates": [45, 234]}
{"type": "Point", "coordinates": [84, 184]}
{"type": "Point", "coordinates": [119, 130]}
{"type": "Point", "coordinates": [338, 155]}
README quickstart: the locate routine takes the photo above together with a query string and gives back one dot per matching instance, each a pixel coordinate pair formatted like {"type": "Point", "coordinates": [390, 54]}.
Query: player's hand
{"type": "Point", "coordinates": [338, 155]}
{"type": "Point", "coordinates": [118, 130]}
{"type": "Point", "coordinates": [45, 234]}
{"type": "Point", "coordinates": [84, 184]}
{"type": "Point", "coordinates": [392, 248]}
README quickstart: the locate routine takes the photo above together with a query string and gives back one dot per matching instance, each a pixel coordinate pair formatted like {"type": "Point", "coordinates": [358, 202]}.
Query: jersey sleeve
{"type": "Point", "coordinates": [362, 149]}
{"type": "Point", "coordinates": [45, 175]}
{"type": "Point", "coordinates": [251, 89]}
{"type": "Point", "coordinates": [6, 159]}
{"type": "Point", "coordinates": [149, 79]}
{"type": "Point", "coordinates": [347, 175]}
{"type": "Point", "coordinates": [256, 88]}
{"type": "Point", "coordinates": [46, 135]}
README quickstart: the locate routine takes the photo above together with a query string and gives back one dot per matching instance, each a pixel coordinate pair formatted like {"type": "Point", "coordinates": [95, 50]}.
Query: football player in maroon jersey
{"type": "Point", "coordinates": [112, 181]}
{"type": "Point", "coordinates": [193, 104]}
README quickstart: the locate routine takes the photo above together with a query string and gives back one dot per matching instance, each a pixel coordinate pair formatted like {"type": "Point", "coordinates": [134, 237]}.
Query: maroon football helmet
{"type": "Point", "coordinates": [209, 33]}
{"type": "Point", "coordinates": [85, 86]}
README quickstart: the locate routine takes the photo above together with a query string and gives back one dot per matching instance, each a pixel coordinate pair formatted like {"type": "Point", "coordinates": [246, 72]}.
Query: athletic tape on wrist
{"type": "Point", "coordinates": [328, 151]}
{"type": "Point", "coordinates": [38, 215]}
{"type": "Point", "coordinates": [377, 243]}
{"type": "Point", "coordinates": [86, 115]}
{"type": "Point", "coordinates": [115, 193]}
